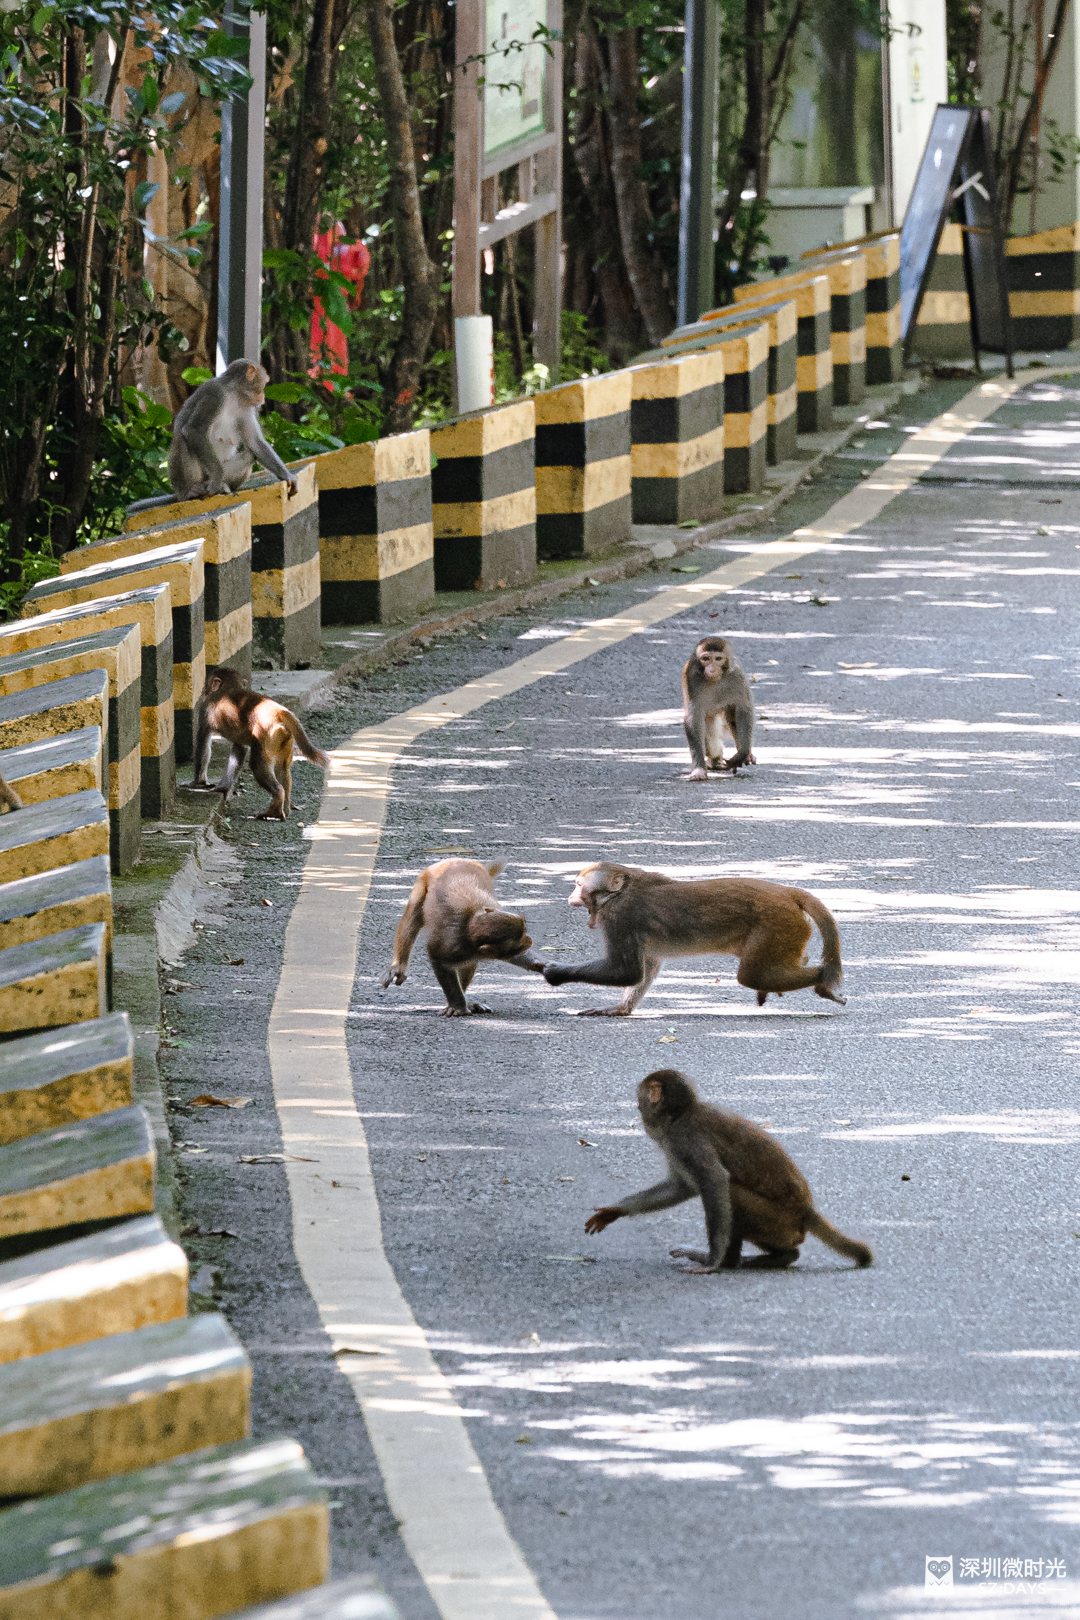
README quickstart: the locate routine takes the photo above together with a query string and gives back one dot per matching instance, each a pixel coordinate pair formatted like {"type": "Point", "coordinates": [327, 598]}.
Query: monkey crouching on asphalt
{"type": "Point", "coordinates": [455, 901]}
{"type": "Point", "coordinates": [647, 917]}
{"type": "Point", "coordinates": [249, 720]}
{"type": "Point", "coordinates": [750, 1189]}
{"type": "Point", "coordinates": [716, 698]}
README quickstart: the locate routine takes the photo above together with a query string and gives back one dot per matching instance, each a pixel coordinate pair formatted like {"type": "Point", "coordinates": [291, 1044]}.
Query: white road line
{"type": "Point", "coordinates": [436, 1488]}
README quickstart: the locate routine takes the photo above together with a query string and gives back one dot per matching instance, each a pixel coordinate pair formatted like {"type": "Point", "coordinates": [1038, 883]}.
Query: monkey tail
{"type": "Point", "coordinates": [494, 868]}
{"type": "Point", "coordinates": [832, 969]}
{"type": "Point", "coordinates": [825, 1233]}
{"type": "Point", "coordinates": [150, 502]}
{"type": "Point", "coordinates": [305, 745]}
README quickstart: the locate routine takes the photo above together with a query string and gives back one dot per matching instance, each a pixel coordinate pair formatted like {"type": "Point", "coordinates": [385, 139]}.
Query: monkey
{"type": "Point", "coordinates": [647, 917]}
{"type": "Point", "coordinates": [229, 708]}
{"type": "Point", "coordinates": [751, 1190]}
{"type": "Point", "coordinates": [216, 438]}
{"type": "Point", "coordinates": [454, 901]}
{"type": "Point", "coordinates": [8, 796]}
{"type": "Point", "coordinates": [716, 697]}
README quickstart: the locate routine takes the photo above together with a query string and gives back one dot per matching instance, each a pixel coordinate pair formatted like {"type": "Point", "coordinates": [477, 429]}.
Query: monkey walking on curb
{"type": "Point", "coordinates": [455, 901]}
{"type": "Point", "coordinates": [249, 720]}
{"type": "Point", "coordinates": [716, 698]}
{"type": "Point", "coordinates": [217, 438]}
{"type": "Point", "coordinates": [646, 917]}
{"type": "Point", "coordinates": [750, 1189]}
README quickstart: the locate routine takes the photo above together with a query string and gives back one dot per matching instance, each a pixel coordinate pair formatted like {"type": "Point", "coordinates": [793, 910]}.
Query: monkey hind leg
{"type": "Point", "coordinates": [769, 965]}
{"type": "Point", "coordinates": [264, 774]}
{"type": "Point", "coordinates": [465, 975]}
{"type": "Point", "coordinates": [771, 1260]}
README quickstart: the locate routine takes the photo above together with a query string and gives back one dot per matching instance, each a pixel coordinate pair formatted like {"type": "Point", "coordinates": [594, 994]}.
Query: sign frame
{"type": "Point", "coordinates": [479, 221]}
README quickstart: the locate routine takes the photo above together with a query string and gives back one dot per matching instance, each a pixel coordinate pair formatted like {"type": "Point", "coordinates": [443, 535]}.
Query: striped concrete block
{"type": "Point", "coordinates": [583, 466]}
{"type": "Point", "coordinates": [376, 544]}
{"type": "Point", "coordinates": [69, 763]}
{"type": "Point", "coordinates": [745, 349]}
{"type": "Point", "coordinates": [355, 1598]}
{"type": "Point", "coordinates": [151, 609]}
{"type": "Point", "coordinates": [115, 1281]}
{"type": "Point", "coordinates": [677, 439]}
{"type": "Point", "coordinates": [119, 653]}
{"type": "Point", "coordinates": [223, 524]}
{"type": "Point", "coordinates": [112, 1405]}
{"type": "Point", "coordinates": [846, 271]}
{"type": "Point", "coordinates": [884, 344]}
{"type": "Point", "coordinates": [56, 833]}
{"type": "Point", "coordinates": [781, 318]}
{"type": "Point", "coordinates": [943, 328]}
{"type": "Point", "coordinates": [61, 979]}
{"type": "Point", "coordinates": [59, 1076]}
{"type": "Point", "coordinates": [55, 708]}
{"type": "Point", "coordinates": [193, 1538]}
{"type": "Point", "coordinates": [33, 908]}
{"type": "Point", "coordinates": [814, 367]}
{"type": "Point", "coordinates": [92, 1170]}
{"type": "Point", "coordinates": [181, 568]}
{"type": "Point", "coordinates": [484, 498]}
{"type": "Point", "coordinates": [1044, 287]}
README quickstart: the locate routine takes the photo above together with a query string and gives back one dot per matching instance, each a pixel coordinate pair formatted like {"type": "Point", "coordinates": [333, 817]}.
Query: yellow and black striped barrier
{"type": "Point", "coordinates": [151, 609]}
{"type": "Point", "coordinates": [781, 434]}
{"type": "Point", "coordinates": [813, 366]}
{"type": "Point", "coordinates": [69, 704]}
{"type": "Point", "coordinates": [1044, 288]}
{"type": "Point", "coordinates": [677, 438]}
{"type": "Point", "coordinates": [846, 270]}
{"type": "Point", "coordinates": [223, 523]}
{"type": "Point", "coordinates": [484, 498]}
{"type": "Point", "coordinates": [376, 546]}
{"type": "Point", "coordinates": [181, 568]}
{"type": "Point", "coordinates": [119, 653]}
{"type": "Point", "coordinates": [583, 466]}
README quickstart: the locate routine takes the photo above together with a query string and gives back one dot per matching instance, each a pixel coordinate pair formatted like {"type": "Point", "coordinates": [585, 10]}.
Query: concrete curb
{"type": "Point", "coordinates": [656, 545]}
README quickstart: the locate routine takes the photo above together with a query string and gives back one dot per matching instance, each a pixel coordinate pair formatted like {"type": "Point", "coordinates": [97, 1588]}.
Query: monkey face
{"type": "Point", "coordinates": [595, 886]}
{"type": "Point", "coordinates": [714, 658]}
{"type": "Point", "coordinates": [254, 385]}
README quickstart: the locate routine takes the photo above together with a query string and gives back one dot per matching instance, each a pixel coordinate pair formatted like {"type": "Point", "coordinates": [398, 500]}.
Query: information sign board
{"type": "Point", "coordinates": [514, 72]}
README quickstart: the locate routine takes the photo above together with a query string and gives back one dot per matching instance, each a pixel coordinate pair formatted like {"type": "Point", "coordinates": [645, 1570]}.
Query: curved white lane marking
{"type": "Point", "coordinates": [437, 1490]}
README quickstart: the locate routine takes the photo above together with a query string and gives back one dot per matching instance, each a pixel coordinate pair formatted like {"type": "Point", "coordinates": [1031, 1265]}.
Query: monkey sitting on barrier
{"type": "Point", "coordinates": [750, 1189]}
{"type": "Point", "coordinates": [647, 917]}
{"type": "Point", "coordinates": [249, 720]}
{"type": "Point", "coordinates": [716, 697]}
{"type": "Point", "coordinates": [217, 438]}
{"type": "Point", "coordinates": [455, 901]}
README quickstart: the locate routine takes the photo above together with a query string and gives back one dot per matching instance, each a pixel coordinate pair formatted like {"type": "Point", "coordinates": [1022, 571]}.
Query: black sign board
{"type": "Point", "coordinates": [957, 167]}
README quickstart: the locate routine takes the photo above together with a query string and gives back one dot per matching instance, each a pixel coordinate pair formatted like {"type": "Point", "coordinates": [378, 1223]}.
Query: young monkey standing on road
{"type": "Point", "coordinates": [217, 438]}
{"type": "Point", "coordinates": [750, 1189]}
{"type": "Point", "coordinates": [229, 708]}
{"type": "Point", "coordinates": [716, 698]}
{"type": "Point", "coordinates": [455, 902]}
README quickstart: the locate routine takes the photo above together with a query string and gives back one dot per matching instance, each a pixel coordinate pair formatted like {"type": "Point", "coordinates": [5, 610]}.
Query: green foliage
{"type": "Point", "coordinates": [34, 566]}
{"type": "Point", "coordinates": [132, 462]}
{"type": "Point", "coordinates": [582, 351]}
{"type": "Point", "coordinates": [331, 418]}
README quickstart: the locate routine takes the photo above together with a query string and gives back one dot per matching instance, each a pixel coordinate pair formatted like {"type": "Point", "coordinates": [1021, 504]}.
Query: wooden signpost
{"type": "Point", "coordinates": [958, 167]}
{"type": "Point", "coordinates": [513, 120]}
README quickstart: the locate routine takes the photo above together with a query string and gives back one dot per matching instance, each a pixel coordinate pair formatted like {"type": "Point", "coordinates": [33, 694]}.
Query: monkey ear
{"type": "Point", "coordinates": [252, 374]}
{"type": "Point", "coordinates": [655, 1092]}
{"type": "Point", "coordinates": [214, 683]}
{"type": "Point", "coordinates": [616, 882]}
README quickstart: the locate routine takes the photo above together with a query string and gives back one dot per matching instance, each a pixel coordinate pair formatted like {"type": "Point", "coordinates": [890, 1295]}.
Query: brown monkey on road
{"type": "Point", "coordinates": [647, 917]}
{"type": "Point", "coordinates": [716, 697]}
{"type": "Point", "coordinates": [751, 1190]}
{"type": "Point", "coordinates": [455, 901]}
{"type": "Point", "coordinates": [229, 708]}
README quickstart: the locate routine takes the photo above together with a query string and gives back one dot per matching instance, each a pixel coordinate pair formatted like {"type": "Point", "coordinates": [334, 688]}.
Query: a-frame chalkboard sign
{"type": "Point", "coordinates": [958, 167]}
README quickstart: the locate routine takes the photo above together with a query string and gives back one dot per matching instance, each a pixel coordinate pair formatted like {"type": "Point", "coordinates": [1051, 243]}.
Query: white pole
{"type": "Point", "coordinates": [474, 355]}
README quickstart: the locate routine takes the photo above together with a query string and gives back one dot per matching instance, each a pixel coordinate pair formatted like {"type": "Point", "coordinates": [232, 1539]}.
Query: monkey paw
{"type": "Point", "coordinates": [699, 774]}
{"type": "Point", "coordinates": [701, 1266]}
{"type": "Point", "coordinates": [828, 994]}
{"type": "Point", "coordinates": [479, 1007]}
{"type": "Point", "coordinates": [455, 1012]}
{"type": "Point", "coordinates": [604, 1012]}
{"type": "Point", "coordinates": [394, 975]}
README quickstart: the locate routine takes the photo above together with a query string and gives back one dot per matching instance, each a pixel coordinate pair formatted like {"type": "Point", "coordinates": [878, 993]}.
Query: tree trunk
{"type": "Point", "coordinates": [622, 325]}
{"type": "Point", "coordinates": [307, 160]}
{"type": "Point", "coordinates": [420, 276]}
{"type": "Point", "coordinates": [631, 197]}
{"type": "Point", "coordinates": [1013, 167]}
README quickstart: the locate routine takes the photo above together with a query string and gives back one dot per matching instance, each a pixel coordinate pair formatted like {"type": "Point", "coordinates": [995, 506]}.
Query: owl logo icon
{"type": "Point", "coordinates": [939, 1572]}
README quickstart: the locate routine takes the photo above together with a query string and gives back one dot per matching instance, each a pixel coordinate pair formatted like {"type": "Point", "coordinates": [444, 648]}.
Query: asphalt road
{"type": "Point", "coordinates": [673, 1447]}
